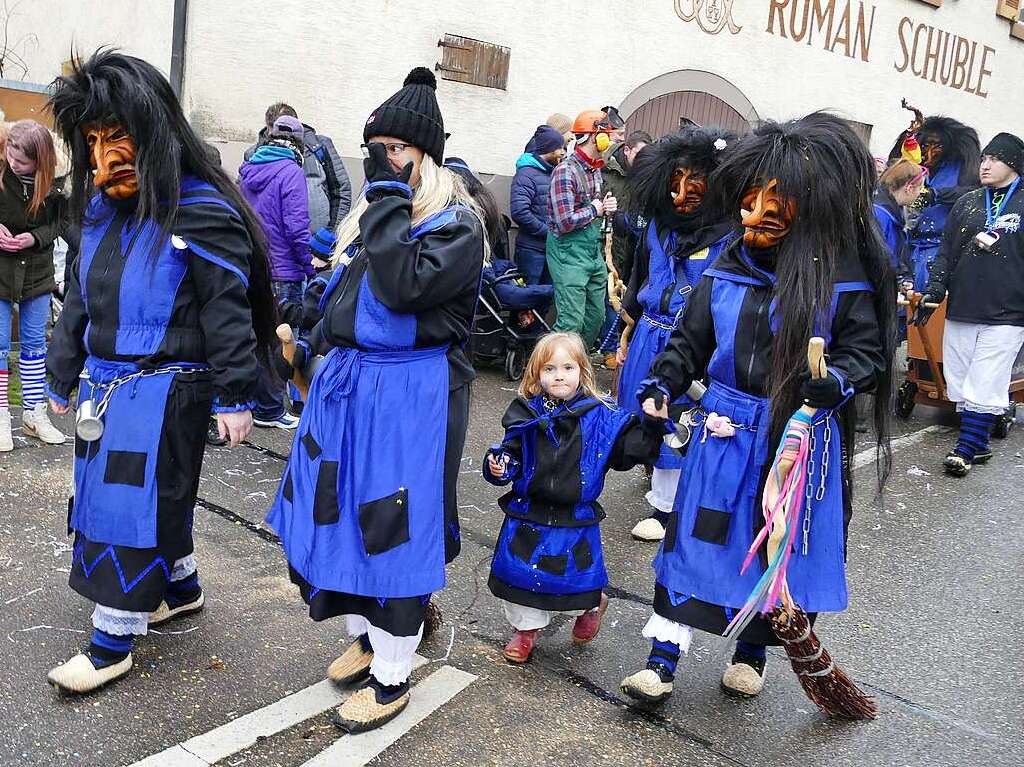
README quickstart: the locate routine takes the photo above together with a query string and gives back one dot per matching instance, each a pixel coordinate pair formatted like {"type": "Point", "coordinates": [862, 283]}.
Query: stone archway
{"type": "Point", "coordinates": [703, 97]}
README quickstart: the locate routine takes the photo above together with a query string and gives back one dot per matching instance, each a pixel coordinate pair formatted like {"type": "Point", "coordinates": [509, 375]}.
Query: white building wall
{"type": "Point", "coordinates": [44, 32]}
{"type": "Point", "coordinates": [336, 60]}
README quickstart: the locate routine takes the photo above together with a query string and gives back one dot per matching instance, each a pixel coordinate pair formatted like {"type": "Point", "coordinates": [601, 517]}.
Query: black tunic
{"type": "Point", "coordinates": [985, 286]}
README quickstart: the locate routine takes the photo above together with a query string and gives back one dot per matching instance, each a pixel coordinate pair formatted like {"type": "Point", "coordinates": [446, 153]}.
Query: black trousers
{"type": "Point", "coordinates": [455, 442]}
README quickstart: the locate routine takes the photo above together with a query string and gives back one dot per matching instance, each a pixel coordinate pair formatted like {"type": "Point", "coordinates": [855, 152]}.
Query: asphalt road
{"type": "Point", "coordinates": [933, 630]}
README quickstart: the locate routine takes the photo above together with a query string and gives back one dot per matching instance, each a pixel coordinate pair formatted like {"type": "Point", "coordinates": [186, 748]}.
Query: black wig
{"type": "Point", "coordinates": [111, 87]}
{"type": "Point", "coordinates": [960, 146]}
{"type": "Point", "coordinates": [691, 147]}
{"type": "Point", "coordinates": [823, 166]}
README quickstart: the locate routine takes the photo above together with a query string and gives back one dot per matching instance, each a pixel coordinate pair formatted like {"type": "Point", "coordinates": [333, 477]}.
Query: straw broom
{"type": "Point", "coordinates": [827, 686]}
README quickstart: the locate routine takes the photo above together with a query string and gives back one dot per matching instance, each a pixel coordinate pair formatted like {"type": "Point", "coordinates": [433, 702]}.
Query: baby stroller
{"type": "Point", "coordinates": [508, 318]}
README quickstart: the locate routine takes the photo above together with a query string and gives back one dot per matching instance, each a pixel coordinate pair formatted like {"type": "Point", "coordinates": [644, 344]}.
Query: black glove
{"type": "Point", "coordinates": [290, 313]}
{"type": "Point", "coordinates": [381, 179]}
{"type": "Point", "coordinates": [620, 224]}
{"type": "Point", "coordinates": [651, 391]}
{"type": "Point", "coordinates": [823, 393]}
{"type": "Point", "coordinates": [284, 370]}
{"type": "Point", "coordinates": [924, 313]}
{"type": "Point", "coordinates": [656, 428]}
{"type": "Point", "coordinates": [927, 197]}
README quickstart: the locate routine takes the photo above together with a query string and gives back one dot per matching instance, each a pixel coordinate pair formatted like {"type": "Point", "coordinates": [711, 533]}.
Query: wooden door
{"type": "Point", "coordinates": [662, 115]}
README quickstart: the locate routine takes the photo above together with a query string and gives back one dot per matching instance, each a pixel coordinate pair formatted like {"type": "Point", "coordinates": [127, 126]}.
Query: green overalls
{"type": "Point", "coordinates": [580, 278]}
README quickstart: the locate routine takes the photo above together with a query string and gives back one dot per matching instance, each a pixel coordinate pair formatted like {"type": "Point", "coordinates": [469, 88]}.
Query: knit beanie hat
{"type": "Point", "coordinates": [546, 139]}
{"type": "Point", "coordinates": [412, 114]}
{"type": "Point", "coordinates": [1009, 149]}
{"type": "Point", "coordinates": [286, 125]}
{"type": "Point", "coordinates": [561, 123]}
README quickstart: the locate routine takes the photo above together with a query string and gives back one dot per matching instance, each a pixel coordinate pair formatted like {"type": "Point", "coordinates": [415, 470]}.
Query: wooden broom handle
{"type": "Point", "coordinates": [913, 300]}
{"type": "Point", "coordinates": [816, 357]}
{"type": "Point", "coordinates": [818, 368]}
{"type": "Point", "coordinates": [287, 338]}
{"type": "Point", "coordinates": [816, 364]}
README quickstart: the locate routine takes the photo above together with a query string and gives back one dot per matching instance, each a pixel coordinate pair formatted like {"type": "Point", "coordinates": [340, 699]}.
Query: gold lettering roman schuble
{"type": "Point", "coordinates": [943, 57]}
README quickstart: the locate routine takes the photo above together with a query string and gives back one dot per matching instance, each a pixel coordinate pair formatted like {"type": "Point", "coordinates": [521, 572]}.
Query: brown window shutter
{"type": "Point", "coordinates": [475, 62]}
{"type": "Point", "coordinates": [1008, 9]}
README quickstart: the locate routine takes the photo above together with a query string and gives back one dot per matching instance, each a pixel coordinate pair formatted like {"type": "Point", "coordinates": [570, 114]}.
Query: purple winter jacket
{"type": "Point", "coordinates": [274, 184]}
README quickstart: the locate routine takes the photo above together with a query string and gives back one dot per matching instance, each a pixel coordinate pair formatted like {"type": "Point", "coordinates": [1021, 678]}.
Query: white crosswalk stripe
{"type": "Point", "coordinates": [427, 696]}
{"type": "Point", "coordinates": [241, 733]}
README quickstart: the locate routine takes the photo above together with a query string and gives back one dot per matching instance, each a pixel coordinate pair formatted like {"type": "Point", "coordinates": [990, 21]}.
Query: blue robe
{"type": "Point", "coordinates": [171, 313]}
{"type": "Point", "coordinates": [670, 278]}
{"type": "Point", "coordinates": [360, 508]}
{"type": "Point", "coordinates": [730, 322]}
{"type": "Point", "coordinates": [926, 237]}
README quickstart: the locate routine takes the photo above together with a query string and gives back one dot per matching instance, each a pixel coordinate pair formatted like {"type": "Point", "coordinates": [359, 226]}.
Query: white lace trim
{"type": "Point", "coordinates": [984, 409]}
{"type": "Point", "coordinates": [390, 674]}
{"type": "Point", "coordinates": [120, 622]}
{"type": "Point", "coordinates": [392, 655]}
{"type": "Point", "coordinates": [665, 630]}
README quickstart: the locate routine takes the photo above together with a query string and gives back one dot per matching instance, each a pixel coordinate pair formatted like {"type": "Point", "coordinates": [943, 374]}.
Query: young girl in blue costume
{"type": "Point", "coordinates": [685, 232]}
{"type": "Point", "coordinates": [363, 508]}
{"type": "Point", "coordinates": [167, 304]}
{"type": "Point", "coordinates": [810, 263]}
{"type": "Point", "coordinates": [561, 438]}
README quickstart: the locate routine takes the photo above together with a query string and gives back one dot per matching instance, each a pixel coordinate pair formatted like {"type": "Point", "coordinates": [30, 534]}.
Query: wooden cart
{"type": "Point", "coordinates": [925, 382]}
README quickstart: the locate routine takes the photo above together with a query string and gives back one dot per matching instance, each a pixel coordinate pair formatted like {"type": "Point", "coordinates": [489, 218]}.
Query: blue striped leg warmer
{"type": "Point", "coordinates": [32, 369]}
{"type": "Point", "coordinates": [183, 591]}
{"type": "Point", "coordinates": [754, 655]}
{"type": "Point", "coordinates": [663, 659]}
{"type": "Point", "coordinates": [107, 649]}
{"type": "Point", "coordinates": [975, 429]}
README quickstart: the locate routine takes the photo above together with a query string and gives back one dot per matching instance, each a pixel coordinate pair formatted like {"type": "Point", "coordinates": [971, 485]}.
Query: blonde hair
{"type": "Point", "coordinates": [901, 173]}
{"type": "Point", "coordinates": [542, 354]}
{"type": "Point", "coordinates": [437, 189]}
